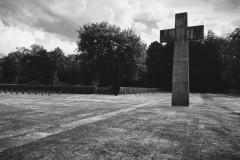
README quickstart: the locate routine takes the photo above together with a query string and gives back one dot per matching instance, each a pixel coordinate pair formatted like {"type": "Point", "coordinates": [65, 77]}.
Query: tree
{"type": "Point", "coordinates": [57, 58]}
{"type": "Point", "coordinates": [71, 72]}
{"type": "Point", "coordinates": [132, 54]}
{"type": "Point", "coordinates": [11, 67]}
{"type": "Point", "coordinates": [231, 58]}
{"type": "Point", "coordinates": [36, 49]}
{"type": "Point", "coordinates": [38, 67]}
{"type": "Point", "coordinates": [101, 43]}
{"type": "Point", "coordinates": [159, 65]}
{"type": "Point", "coordinates": [205, 64]}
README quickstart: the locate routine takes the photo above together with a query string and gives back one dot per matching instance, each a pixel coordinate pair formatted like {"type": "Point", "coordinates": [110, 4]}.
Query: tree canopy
{"type": "Point", "coordinates": [159, 65]}
{"type": "Point", "coordinates": [231, 58]}
{"type": "Point", "coordinates": [101, 43]}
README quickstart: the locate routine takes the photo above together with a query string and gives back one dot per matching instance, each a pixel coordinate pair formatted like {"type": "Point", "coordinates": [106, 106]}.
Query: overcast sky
{"type": "Point", "coordinates": [53, 23]}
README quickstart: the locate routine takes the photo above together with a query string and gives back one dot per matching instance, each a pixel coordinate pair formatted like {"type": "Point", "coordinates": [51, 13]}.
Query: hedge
{"type": "Point", "coordinates": [127, 90]}
{"type": "Point", "coordinates": [234, 92]}
{"type": "Point", "coordinates": [135, 90]}
{"type": "Point", "coordinates": [103, 90]}
{"type": "Point", "coordinates": [77, 89]}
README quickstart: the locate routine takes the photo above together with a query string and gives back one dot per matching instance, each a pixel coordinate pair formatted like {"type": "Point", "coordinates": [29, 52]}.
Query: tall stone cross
{"type": "Point", "coordinates": [180, 35]}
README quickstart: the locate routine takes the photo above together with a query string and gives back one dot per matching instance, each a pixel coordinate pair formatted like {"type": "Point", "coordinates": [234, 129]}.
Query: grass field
{"type": "Point", "coordinates": [119, 127]}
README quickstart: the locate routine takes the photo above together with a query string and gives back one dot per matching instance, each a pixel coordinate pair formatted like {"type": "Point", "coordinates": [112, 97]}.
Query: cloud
{"type": "Point", "coordinates": [224, 5]}
{"type": "Point", "coordinates": [39, 19]}
{"type": "Point", "coordinates": [52, 41]}
{"type": "Point", "coordinates": [153, 35]}
{"type": "Point", "coordinates": [36, 14]}
{"type": "Point", "coordinates": [64, 17]}
{"type": "Point", "coordinates": [138, 26]}
{"type": "Point", "coordinates": [54, 22]}
{"type": "Point", "coordinates": [12, 37]}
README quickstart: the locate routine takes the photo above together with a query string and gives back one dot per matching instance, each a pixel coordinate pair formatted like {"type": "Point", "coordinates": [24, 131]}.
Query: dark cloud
{"type": "Point", "coordinates": [234, 3]}
{"type": "Point", "coordinates": [37, 14]}
{"type": "Point", "coordinates": [224, 5]}
{"type": "Point", "coordinates": [62, 26]}
{"type": "Point", "coordinates": [10, 9]}
{"type": "Point", "coordinates": [5, 23]}
{"type": "Point", "coordinates": [151, 23]}
{"type": "Point", "coordinates": [62, 18]}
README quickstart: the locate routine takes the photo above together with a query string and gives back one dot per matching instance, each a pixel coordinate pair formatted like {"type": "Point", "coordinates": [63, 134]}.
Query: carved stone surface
{"type": "Point", "coordinates": [180, 35]}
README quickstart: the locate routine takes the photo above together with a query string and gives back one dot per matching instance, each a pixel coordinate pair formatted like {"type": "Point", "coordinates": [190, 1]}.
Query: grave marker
{"type": "Point", "coordinates": [180, 35]}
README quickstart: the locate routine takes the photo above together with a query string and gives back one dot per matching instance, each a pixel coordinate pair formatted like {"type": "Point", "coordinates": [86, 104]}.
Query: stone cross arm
{"type": "Point", "coordinates": [195, 32]}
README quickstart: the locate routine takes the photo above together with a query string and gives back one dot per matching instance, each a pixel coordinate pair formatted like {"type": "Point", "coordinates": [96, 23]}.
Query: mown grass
{"type": "Point", "coordinates": [202, 131]}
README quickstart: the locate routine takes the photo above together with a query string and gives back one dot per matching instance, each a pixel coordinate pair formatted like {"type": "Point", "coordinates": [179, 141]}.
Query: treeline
{"type": "Point", "coordinates": [214, 61]}
{"type": "Point", "coordinates": [99, 45]}
{"type": "Point", "coordinates": [37, 66]}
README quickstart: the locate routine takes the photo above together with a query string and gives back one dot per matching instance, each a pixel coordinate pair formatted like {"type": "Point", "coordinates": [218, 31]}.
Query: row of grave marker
{"type": "Point", "coordinates": [123, 90]}
{"type": "Point", "coordinates": [137, 90]}
{"type": "Point", "coordinates": [29, 92]}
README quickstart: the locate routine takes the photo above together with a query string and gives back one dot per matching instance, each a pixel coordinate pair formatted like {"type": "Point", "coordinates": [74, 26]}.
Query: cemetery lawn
{"type": "Point", "coordinates": [119, 127]}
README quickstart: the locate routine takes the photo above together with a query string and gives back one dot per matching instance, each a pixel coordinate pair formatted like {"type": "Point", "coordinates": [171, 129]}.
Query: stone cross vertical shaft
{"type": "Point", "coordinates": [180, 35]}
